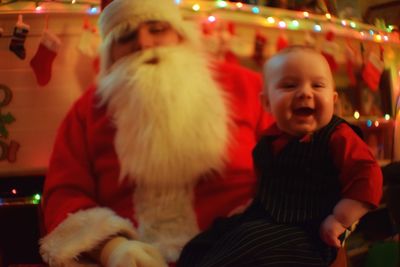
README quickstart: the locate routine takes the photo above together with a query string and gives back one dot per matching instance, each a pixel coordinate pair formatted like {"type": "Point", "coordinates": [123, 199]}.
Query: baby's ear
{"type": "Point", "coordinates": [335, 96]}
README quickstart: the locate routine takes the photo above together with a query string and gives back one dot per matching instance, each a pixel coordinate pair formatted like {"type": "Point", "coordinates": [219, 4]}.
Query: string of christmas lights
{"type": "Point", "coordinates": [15, 200]}
{"type": "Point", "coordinates": [92, 7]}
{"type": "Point", "coordinates": [251, 14]}
{"type": "Point", "coordinates": [287, 19]}
{"type": "Point", "coordinates": [247, 13]}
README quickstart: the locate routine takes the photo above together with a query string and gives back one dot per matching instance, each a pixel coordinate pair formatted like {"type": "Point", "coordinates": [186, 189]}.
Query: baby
{"type": "Point", "coordinates": [316, 177]}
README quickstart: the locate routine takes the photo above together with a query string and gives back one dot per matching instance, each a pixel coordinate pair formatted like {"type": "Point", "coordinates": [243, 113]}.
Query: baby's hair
{"type": "Point", "coordinates": [287, 50]}
{"type": "Point", "coordinates": [290, 49]}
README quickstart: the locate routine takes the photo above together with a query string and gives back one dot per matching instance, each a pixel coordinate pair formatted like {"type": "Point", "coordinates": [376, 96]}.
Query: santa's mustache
{"type": "Point", "coordinates": [149, 56]}
{"type": "Point", "coordinates": [121, 72]}
{"type": "Point", "coordinates": [139, 58]}
{"type": "Point", "coordinates": [151, 63]}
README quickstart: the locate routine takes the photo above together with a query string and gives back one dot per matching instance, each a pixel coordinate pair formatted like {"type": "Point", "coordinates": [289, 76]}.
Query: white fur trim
{"type": "Point", "coordinates": [166, 218]}
{"type": "Point", "coordinates": [82, 232]}
{"type": "Point", "coordinates": [51, 41]}
{"type": "Point", "coordinates": [136, 12]}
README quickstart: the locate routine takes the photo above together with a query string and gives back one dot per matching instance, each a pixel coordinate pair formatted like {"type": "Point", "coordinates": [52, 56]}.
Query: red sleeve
{"type": "Point", "coordinates": [360, 173]}
{"type": "Point", "coordinates": [245, 85]}
{"type": "Point", "coordinates": [68, 176]}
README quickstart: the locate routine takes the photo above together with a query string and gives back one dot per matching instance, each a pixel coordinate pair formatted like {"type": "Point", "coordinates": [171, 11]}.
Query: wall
{"type": "Point", "coordinates": [381, 132]}
{"type": "Point", "coordinates": [38, 110]}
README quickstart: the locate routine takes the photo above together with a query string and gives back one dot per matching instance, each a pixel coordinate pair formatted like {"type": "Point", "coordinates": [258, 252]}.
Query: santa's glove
{"type": "Point", "coordinates": [121, 252]}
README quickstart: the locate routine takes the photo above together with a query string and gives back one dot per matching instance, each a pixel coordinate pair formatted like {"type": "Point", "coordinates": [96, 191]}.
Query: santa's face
{"type": "Point", "coordinates": [147, 35]}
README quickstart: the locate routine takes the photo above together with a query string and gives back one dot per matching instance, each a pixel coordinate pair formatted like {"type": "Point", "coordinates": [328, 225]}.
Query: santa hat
{"type": "Point", "coordinates": [122, 15]}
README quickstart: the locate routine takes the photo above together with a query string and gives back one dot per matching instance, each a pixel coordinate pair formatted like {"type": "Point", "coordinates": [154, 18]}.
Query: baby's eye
{"type": "Point", "coordinates": [318, 85]}
{"type": "Point", "coordinates": [288, 85]}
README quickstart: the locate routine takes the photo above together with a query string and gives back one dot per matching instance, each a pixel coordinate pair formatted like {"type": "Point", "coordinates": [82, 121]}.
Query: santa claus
{"type": "Point", "coordinates": [155, 151]}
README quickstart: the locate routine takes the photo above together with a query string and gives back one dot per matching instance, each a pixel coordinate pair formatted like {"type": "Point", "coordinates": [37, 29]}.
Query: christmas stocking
{"type": "Point", "coordinates": [350, 62]}
{"type": "Point", "coordinates": [227, 39]}
{"type": "Point", "coordinates": [207, 28]}
{"type": "Point", "coordinates": [18, 39]}
{"type": "Point", "coordinates": [372, 71]}
{"type": "Point", "coordinates": [42, 62]}
{"type": "Point", "coordinates": [259, 45]}
{"type": "Point", "coordinates": [309, 39]}
{"type": "Point", "coordinates": [329, 50]}
{"type": "Point", "coordinates": [282, 42]}
{"type": "Point", "coordinates": [88, 41]}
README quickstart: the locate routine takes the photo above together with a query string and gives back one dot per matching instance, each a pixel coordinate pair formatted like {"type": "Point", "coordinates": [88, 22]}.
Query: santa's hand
{"type": "Point", "coordinates": [121, 252]}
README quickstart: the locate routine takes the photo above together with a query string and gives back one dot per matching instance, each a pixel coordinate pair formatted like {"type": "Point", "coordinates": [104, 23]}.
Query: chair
{"type": "Point", "coordinates": [341, 259]}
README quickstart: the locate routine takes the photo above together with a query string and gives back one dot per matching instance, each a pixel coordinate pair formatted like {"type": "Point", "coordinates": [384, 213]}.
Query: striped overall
{"type": "Point", "coordinates": [298, 188]}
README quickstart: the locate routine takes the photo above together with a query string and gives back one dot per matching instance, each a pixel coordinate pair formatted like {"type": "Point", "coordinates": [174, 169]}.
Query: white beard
{"type": "Point", "coordinates": [172, 128]}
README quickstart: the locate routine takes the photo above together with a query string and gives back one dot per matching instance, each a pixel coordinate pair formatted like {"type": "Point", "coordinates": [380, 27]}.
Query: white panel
{"type": "Point", "coordinates": [38, 110]}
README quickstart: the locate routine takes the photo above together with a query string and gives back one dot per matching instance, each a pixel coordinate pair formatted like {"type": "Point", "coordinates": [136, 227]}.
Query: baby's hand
{"type": "Point", "coordinates": [330, 231]}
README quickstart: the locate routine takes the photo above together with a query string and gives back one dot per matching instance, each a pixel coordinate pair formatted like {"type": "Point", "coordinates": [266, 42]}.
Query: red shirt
{"type": "Point", "coordinates": [360, 175]}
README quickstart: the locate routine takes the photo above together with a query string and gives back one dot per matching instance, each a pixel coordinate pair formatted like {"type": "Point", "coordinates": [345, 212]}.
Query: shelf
{"type": "Point", "coordinates": [357, 251]}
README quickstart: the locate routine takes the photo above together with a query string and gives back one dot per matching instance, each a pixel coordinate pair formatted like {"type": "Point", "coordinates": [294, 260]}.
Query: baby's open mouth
{"type": "Point", "coordinates": [304, 111]}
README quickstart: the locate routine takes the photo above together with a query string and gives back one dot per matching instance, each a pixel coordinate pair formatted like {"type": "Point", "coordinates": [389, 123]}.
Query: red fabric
{"type": "Point", "coordinates": [331, 61]}
{"type": "Point", "coordinates": [231, 28]}
{"type": "Point", "coordinates": [350, 72]}
{"type": "Point", "coordinates": [360, 174]}
{"type": "Point", "coordinates": [84, 168]}
{"type": "Point", "coordinates": [260, 42]}
{"type": "Point", "coordinates": [104, 3]}
{"type": "Point", "coordinates": [330, 35]}
{"type": "Point", "coordinates": [350, 64]}
{"type": "Point", "coordinates": [96, 64]}
{"type": "Point", "coordinates": [281, 43]}
{"type": "Point", "coordinates": [231, 58]}
{"type": "Point", "coordinates": [41, 64]}
{"type": "Point", "coordinates": [372, 72]}
{"type": "Point", "coordinates": [330, 50]}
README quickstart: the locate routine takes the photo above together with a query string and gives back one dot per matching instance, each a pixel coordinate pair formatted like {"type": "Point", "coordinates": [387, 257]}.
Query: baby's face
{"type": "Point", "coordinates": [299, 91]}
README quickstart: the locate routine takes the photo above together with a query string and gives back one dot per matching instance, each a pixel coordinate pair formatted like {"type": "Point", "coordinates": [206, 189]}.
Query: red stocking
{"type": "Point", "coordinates": [282, 42]}
{"type": "Point", "coordinates": [42, 62]}
{"type": "Point", "coordinates": [372, 71]}
{"type": "Point", "coordinates": [329, 50]}
{"type": "Point", "coordinates": [350, 59]}
{"type": "Point", "coordinates": [259, 45]}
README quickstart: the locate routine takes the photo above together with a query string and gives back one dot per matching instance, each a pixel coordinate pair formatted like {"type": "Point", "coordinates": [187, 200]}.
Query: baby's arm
{"type": "Point", "coordinates": [361, 180]}
{"type": "Point", "coordinates": [346, 212]}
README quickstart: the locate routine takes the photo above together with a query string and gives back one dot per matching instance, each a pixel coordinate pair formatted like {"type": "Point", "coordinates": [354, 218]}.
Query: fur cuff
{"type": "Point", "coordinates": [82, 232]}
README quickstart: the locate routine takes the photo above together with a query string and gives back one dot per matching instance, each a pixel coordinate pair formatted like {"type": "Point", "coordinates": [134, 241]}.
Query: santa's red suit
{"type": "Point", "coordinates": [84, 202]}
